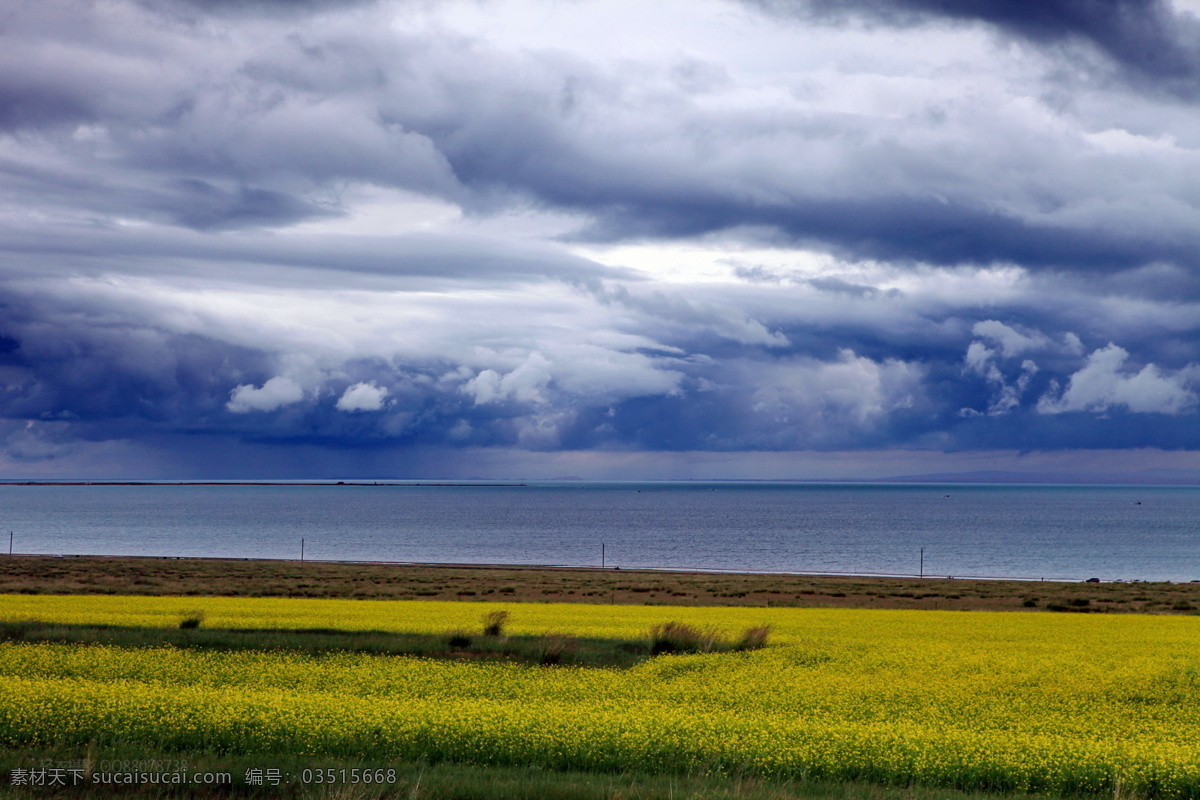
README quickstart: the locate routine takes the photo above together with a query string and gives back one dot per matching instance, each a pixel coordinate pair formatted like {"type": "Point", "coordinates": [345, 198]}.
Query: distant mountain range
{"type": "Point", "coordinates": [1174, 477]}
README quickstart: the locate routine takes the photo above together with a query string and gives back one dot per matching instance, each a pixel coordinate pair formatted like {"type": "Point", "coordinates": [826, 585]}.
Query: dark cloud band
{"type": "Point", "coordinates": [1146, 37]}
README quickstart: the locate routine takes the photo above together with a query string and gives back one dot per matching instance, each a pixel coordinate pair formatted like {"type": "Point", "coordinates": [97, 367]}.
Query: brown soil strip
{"type": "Point", "coordinates": [254, 578]}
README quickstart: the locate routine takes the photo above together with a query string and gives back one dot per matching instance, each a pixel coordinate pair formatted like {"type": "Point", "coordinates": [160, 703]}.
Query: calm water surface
{"type": "Point", "coordinates": [1148, 533]}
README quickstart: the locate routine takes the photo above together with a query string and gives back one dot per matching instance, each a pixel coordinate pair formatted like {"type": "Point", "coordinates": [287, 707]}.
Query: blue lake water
{"type": "Point", "coordinates": [1072, 532]}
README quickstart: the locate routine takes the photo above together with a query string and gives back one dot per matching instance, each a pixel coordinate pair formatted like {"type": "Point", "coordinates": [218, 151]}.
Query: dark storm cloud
{"type": "Point", "coordinates": [257, 7]}
{"type": "Point", "coordinates": [1119, 430]}
{"type": "Point", "coordinates": [980, 189]}
{"type": "Point", "coordinates": [36, 104]}
{"type": "Point", "coordinates": [267, 141]}
{"type": "Point", "coordinates": [203, 206]}
{"type": "Point", "coordinates": [78, 367]}
{"type": "Point", "coordinates": [182, 185]}
{"type": "Point", "coordinates": [429, 258]}
{"type": "Point", "coordinates": [117, 382]}
{"type": "Point", "coordinates": [1145, 36]}
{"type": "Point", "coordinates": [187, 202]}
{"type": "Point", "coordinates": [109, 375]}
{"type": "Point", "coordinates": [902, 228]}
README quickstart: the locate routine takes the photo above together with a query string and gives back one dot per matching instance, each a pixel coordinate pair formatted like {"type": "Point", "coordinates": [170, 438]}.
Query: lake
{"type": "Point", "coordinates": [988, 530]}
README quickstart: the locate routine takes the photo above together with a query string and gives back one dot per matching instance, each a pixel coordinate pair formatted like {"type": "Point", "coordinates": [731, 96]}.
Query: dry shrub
{"type": "Point", "coordinates": [191, 621]}
{"type": "Point", "coordinates": [493, 623]}
{"type": "Point", "coordinates": [554, 647]}
{"type": "Point", "coordinates": [679, 637]}
{"type": "Point", "coordinates": [754, 638]}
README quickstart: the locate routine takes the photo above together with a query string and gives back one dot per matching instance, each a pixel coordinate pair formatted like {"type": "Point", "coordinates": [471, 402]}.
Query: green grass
{"type": "Point", "coordinates": [548, 650]}
{"type": "Point", "coordinates": [427, 781]}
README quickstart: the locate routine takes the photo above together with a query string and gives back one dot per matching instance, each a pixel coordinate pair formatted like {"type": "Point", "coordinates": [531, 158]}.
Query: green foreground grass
{"type": "Point", "coordinates": [548, 650]}
{"type": "Point", "coordinates": [297, 780]}
{"type": "Point", "coordinates": [492, 644]}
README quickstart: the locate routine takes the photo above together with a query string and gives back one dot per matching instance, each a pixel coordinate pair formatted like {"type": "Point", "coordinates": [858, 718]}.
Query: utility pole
{"type": "Point", "coordinates": [922, 562]}
{"type": "Point", "coordinates": [602, 555]}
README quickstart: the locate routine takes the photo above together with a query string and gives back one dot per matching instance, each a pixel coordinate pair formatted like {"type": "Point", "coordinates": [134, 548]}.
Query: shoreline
{"type": "Point", "coordinates": [584, 568]}
{"type": "Point", "coordinates": [243, 577]}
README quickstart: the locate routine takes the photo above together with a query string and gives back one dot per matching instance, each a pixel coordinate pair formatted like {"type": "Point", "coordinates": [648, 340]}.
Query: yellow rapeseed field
{"type": "Point", "coordinates": [1055, 702]}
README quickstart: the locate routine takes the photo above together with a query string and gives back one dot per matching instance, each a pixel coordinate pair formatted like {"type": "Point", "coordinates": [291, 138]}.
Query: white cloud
{"type": "Point", "coordinates": [979, 357]}
{"type": "Point", "coordinates": [1012, 342]}
{"type": "Point", "coordinates": [525, 383]}
{"type": "Point", "coordinates": [982, 360]}
{"type": "Point", "coordinates": [362, 397]}
{"type": "Point", "coordinates": [1008, 396]}
{"type": "Point", "coordinates": [852, 391]}
{"type": "Point", "coordinates": [1102, 385]}
{"type": "Point", "coordinates": [276, 393]}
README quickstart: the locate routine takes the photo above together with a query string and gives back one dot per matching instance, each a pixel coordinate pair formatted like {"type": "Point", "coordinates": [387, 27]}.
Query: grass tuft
{"type": "Point", "coordinates": [493, 623]}
{"type": "Point", "coordinates": [679, 637]}
{"type": "Point", "coordinates": [192, 621]}
{"type": "Point", "coordinates": [754, 638]}
{"type": "Point", "coordinates": [556, 646]}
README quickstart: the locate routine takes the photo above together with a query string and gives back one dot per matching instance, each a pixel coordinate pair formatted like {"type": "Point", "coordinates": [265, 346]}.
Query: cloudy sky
{"type": "Point", "coordinates": [605, 238]}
